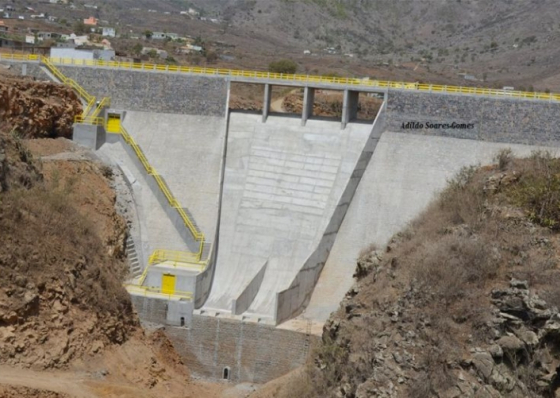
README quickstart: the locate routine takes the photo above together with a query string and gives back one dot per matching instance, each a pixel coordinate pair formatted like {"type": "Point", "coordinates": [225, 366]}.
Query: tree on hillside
{"type": "Point", "coordinates": [283, 66]}
{"type": "Point", "coordinates": [137, 49]}
{"type": "Point", "coordinates": [80, 28]}
{"type": "Point", "coordinates": [148, 34]}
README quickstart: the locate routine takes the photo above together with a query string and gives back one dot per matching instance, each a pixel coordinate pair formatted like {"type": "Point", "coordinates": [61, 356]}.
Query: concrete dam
{"type": "Point", "coordinates": [284, 204]}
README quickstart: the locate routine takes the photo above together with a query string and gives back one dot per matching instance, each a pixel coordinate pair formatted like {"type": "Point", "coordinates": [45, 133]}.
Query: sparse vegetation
{"type": "Point", "coordinates": [283, 66]}
{"type": "Point", "coordinates": [436, 282]}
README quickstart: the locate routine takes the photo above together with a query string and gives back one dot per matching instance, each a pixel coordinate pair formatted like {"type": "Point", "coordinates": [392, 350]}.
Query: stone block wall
{"type": "Point", "coordinates": [252, 352]}
{"type": "Point", "coordinates": [150, 309]}
{"type": "Point", "coordinates": [32, 69]}
{"type": "Point", "coordinates": [151, 91]}
{"type": "Point", "coordinates": [529, 122]}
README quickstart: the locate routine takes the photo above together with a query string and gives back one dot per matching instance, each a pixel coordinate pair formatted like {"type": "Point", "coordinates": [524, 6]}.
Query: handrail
{"type": "Point", "coordinates": [89, 120]}
{"type": "Point", "coordinates": [173, 202]}
{"type": "Point", "coordinates": [154, 291]}
{"type": "Point", "coordinates": [105, 102]}
{"type": "Point", "coordinates": [90, 99]}
{"type": "Point", "coordinates": [176, 257]}
{"type": "Point", "coordinates": [291, 77]}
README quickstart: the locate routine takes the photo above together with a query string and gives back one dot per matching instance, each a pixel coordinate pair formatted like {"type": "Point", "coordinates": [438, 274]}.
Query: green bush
{"type": "Point", "coordinates": [283, 66]}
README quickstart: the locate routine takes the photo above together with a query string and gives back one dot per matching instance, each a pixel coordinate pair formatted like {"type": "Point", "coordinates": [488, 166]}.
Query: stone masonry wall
{"type": "Point", "coordinates": [527, 122]}
{"type": "Point", "coordinates": [150, 91]}
{"type": "Point", "coordinates": [33, 69]}
{"type": "Point", "coordinates": [150, 309]}
{"type": "Point", "coordinates": [253, 352]}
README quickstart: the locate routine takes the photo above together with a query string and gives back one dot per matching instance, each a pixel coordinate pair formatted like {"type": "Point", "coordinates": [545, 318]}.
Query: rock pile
{"type": "Point", "coordinates": [523, 351]}
{"type": "Point", "coordinates": [38, 109]}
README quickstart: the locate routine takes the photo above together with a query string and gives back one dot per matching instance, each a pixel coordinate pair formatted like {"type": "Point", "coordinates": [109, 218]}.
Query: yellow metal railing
{"type": "Point", "coordinates": [88, 98]}
{"type": "Point", "coordinates": [311, 79]}
{"type": "Point", "coordinates": [156, 292]}
{"type": "Point", "coordinates": [288, 77]}
{"type": "Point", "coordinates": [177, 258]}
{"type": "Point", "coordinates": [89, 120]}
{"type": "Point", "coordinates": [173, 202]}
{"type": "Point", "coordinates": [20, 57]}
{"type": "Point", "coordinates": [105, 102]}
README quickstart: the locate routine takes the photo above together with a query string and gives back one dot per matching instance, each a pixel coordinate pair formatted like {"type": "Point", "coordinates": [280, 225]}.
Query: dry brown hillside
{"type": "Point", "coordinates": [67, 325]}
{"type": "Point", "coordinates": [463, 303]}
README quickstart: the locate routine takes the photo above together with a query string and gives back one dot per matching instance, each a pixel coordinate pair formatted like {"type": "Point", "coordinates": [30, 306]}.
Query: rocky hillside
{"type": "Point", "coordinates": [464, 303]}
{"type": "Point", "coordinates": [500, 40]}
{"type": "Point", "coordinates": [38, 109]}
{"type": "Point", "coordinates": [67, 325]}
{"type": "Point", "coordinates": [60, 292]}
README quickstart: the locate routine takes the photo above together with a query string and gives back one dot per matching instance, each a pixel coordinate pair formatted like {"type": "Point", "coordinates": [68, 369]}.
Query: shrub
{"type": "Point", "coordinates": [283, 66]}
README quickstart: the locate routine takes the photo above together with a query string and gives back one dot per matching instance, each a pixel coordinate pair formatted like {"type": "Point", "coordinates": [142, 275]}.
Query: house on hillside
{"type": "Point", "coordinates": [189, 49]}
{"type": "Point", "coordinates": [3, 27]}
{"type": "Point", "coordinates": [108, 32]}
{"type": "Point", "coordinates": [159, 35]}
{"type": "Point", "coordinates": [91, 21]}
{"type": "Point", "coordinates": [165, 35]}
{"type": "Point", "coordinates": [106, 55]}
{"type": "Point", "coordinates": [160, 53]}
{"type": "Point", "coordinates": [77, 40]}
{"type": "Point", "coordinates": [48, 35]}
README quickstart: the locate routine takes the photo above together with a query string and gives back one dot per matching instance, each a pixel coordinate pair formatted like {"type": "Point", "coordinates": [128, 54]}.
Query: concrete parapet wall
{"type": "Point", "coordinates": [292, 301]}
{"type": "Point", "coordinates": [253, 352]}
{"type": "Point", "coordinates": [528, 122]}
{"type": "Point", "coordinates": [153, 91]}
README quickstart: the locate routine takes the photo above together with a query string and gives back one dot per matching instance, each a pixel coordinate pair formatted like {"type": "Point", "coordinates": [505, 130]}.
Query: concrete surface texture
{"type": "Point", "coordinates": [187, 151]}
{"type": "Point", "coordinates": [404, 175]}
{"type": "Point", "coordinates": [156, 229]}
{"type": "Point", "coordinates": [282, 184]}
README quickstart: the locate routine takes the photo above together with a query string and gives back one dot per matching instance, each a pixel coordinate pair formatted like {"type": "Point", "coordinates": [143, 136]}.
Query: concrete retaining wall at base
{"type": "Point", "coordinates": [253, 352]}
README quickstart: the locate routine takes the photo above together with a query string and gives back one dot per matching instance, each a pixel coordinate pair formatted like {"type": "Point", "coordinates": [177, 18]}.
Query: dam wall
{"type": "Point", "coordinates": [494, 119]}
{"type": "Point", "coordinates": [152, 91]}
{"type": "Point", "coordinates": [282, 185]}
{"type": "Point", "coordinates": [290, 302]}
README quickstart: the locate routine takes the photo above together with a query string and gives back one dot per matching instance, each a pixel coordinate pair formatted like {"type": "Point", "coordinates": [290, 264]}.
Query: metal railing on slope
{"type": "Point", "coordinates": [105, 102]}
{"type": "Point", "coordinates": [88, 98]}
{"type": "Point", "coordinates": [197, 235]}
{"type": "Point", "coordinates": [348, 81]}
{"type": "Point", "coordinates": [99, 121]}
